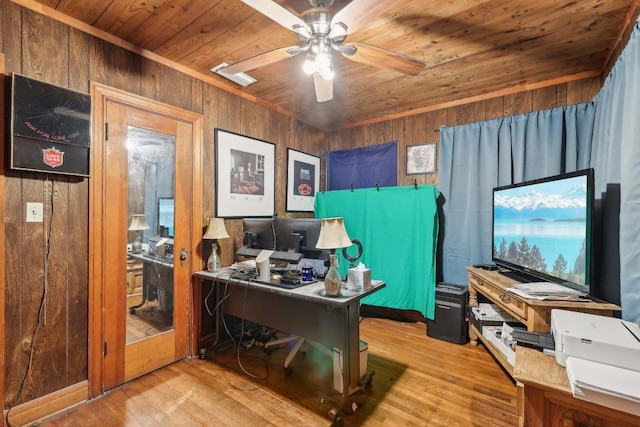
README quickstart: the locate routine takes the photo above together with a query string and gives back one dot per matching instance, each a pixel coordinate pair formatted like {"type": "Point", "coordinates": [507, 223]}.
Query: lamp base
{"type": "Point", "coordinates": [332, 280]}
{"type": "Point", "coordinates": [136, 246]}
{"type": "Point", "coordinates": [213, 263]}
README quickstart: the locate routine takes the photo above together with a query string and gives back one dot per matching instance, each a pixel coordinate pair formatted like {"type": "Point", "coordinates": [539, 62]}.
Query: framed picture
{"type": "Point", "coordinates": [303, 180]}
{"type": "Point", "coordinates": [421, 159]}
{"type": "Point", "coordinates": [50, 128]}
{"type": "Point", "coordinates": [245, 176]}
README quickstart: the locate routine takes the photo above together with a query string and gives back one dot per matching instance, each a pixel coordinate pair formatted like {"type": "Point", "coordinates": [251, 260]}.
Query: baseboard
{"type": "Point", "coordinates": [391, 313]}
{"type": "Point", "coordinates": [48, 405]}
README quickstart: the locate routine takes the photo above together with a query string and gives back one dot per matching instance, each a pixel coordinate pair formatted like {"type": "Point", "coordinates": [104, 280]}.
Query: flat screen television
{"type": "Point", "coordinates": [542, 229]}
{"type": "Point", "coordinates": [165, 215]}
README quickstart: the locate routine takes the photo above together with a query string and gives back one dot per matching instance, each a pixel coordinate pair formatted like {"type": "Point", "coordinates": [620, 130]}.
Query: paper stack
{"type": "Point", "coordinates": [604, 384]}
{"type": "Point", "coordinates": [546, 291]}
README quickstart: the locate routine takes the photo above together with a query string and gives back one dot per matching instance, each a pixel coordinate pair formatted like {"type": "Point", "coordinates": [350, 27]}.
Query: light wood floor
{"type": "Point", "coordinates": [419, 381]}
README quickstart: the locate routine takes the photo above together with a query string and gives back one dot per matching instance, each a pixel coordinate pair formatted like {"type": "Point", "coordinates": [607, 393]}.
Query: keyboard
{"type": "Point", "coordinates": [294, 284]}
{"type": "Point", "coordinates": [539, 340]}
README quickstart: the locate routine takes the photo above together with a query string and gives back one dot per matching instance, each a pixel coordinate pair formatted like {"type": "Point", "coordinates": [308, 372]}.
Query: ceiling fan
{"type": "Point", "coordinates": [321, 32]}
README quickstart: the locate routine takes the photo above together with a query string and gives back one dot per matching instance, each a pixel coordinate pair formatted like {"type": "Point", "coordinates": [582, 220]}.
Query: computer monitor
{"type": "Point", "coordinates": [308, 230]}
{"type": "Point", "coordinates": [165, 215]}
{"type": "Point", "coordinates": [258, 233]}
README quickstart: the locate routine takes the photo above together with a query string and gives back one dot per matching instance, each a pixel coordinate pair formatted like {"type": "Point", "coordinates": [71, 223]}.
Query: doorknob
{"type": "Point", "coordinates": [183, 256]}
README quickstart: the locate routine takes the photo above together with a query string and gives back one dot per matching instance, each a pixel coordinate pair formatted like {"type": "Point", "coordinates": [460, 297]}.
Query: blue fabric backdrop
{"type": "Point", "coordinates": [603, 134]}
{"type": "Point", "coordinates": [363, 167]}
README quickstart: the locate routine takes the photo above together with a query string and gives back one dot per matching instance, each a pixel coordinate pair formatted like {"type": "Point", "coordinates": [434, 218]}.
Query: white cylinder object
{"type": "Point", "coordinates": [262, 264]}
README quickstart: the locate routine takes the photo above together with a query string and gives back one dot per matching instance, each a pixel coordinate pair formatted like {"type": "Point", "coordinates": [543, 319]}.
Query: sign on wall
{"type": "Point", "coordinates": [50, 128]}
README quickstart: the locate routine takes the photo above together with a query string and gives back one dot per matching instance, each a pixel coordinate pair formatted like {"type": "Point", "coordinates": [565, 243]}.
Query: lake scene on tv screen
{"type": "Point", "coordinates": [543, 227]}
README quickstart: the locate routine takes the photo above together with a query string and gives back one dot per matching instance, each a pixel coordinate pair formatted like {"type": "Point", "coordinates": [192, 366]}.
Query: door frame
{"type": "Point", "coordinates": [102, 94]}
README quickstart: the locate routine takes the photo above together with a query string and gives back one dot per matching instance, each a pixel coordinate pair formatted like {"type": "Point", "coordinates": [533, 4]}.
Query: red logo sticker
{"type": "Point", "coordinates": [52, 157]}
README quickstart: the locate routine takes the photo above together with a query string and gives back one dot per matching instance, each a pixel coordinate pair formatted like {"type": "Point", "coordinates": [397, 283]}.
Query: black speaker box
{"type": "Point", "coordinates": [450, 320]}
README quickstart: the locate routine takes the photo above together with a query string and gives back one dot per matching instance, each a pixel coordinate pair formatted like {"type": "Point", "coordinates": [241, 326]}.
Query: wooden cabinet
{"type": "Point", "coordinates": [134, 276]}
{"type": "Point", "coordinates": [548, 400]}
{"type": "Point", "coordinates": [535, 315]}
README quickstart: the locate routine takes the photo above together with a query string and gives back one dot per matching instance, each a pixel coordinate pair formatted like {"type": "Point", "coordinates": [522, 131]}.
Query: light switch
{"type": "Point", "coordinates": [34, 212]}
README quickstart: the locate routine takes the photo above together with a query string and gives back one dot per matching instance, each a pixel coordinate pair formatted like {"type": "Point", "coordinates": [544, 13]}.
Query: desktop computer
{"type": "Point", "coordinates": [450, 320]}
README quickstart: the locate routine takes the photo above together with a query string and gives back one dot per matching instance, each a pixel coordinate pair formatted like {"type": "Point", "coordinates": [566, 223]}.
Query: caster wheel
{"type": "Point", "coordinates": [288, 370]}
{"type": "Point", "coordinates": [268, 351]}
{"type": "Point", "coordinates": [132, 311]}
{"type": "Point", "coordinates": [333, 414]}
{"type": "Point", "coordinates": [202, 355]}
{"type": "Point", "coordinates": [350, 409]}
{"type": "Point", "coordinates": [338, 422]}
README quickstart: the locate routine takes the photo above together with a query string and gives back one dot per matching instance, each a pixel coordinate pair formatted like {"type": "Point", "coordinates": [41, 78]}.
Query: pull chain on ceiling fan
{"type": "Point", "coordinates": [321, 32]}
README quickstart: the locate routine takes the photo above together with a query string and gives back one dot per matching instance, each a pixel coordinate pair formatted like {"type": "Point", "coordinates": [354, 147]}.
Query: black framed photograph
{"type": "Point", "coordinates": [245, 176]}
{"type": "Point", "coordinates": [421, 158]}
{"type": "Point", "coordinates": [303, 180]}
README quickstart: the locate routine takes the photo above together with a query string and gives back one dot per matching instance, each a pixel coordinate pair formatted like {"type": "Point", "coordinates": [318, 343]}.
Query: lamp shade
{"type": "Point", "coordinates": [138, 223]}
{"type": "Point", "coordinates": [216, 229]}
{"type": "Point", "coordinates": [333, 235]}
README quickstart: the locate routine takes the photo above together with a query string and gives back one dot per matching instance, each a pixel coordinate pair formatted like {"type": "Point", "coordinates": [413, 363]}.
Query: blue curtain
{"type": "Point", "coordinates": [477, 157]}
{"type": "Point", "coordinates": [616, 159]}
{"type": "Point", "coordinates": [603, 134]}
{"type": "Point", "coordinates": [365, 167]}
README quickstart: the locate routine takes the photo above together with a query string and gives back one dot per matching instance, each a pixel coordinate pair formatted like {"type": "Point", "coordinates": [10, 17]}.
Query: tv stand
{"type": "Point", "coordinates": [535, 315]}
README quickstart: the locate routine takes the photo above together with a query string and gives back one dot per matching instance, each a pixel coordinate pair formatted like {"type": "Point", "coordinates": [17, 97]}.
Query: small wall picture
{"type": "Point", "coordinates": [303, 180]}
{"type": "Point", "coordinates": [421, 159]}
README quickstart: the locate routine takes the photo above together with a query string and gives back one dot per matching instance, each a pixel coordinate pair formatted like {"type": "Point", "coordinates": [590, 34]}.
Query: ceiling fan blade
{"type": "Point", "coordinates": [383, 58]}
{"type": "Point", "coordinates": [277, 13]}
{"type": "Point", "coordinates": [359, 12]}
{"type": "Point", "coordinates": [324, 88]}
{"type": "Point", "coordinates": [262, 59]}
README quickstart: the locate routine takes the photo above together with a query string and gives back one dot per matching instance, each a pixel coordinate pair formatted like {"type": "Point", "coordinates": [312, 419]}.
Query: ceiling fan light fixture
{"type": "Point", "coordinates": [320, 63]}
{"type": "Point", "coordinates": [338, 32]}
{"type": "Point", "coordinates": [309, 65]}
{"type": "Point", "coordinates": [326, 73]}
{"type": "Point", "coordinates": [323, 61]}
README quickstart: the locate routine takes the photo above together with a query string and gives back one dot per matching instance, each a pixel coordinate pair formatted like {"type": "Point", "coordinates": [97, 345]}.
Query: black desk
{"type": "Point", "coordinates": [303, 311]}
{"type": "Point", "coordinates": [157, 284]}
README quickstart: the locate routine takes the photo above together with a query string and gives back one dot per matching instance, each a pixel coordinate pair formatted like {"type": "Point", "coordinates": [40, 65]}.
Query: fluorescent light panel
{"type": "Point", "coordinates": [240, 78]}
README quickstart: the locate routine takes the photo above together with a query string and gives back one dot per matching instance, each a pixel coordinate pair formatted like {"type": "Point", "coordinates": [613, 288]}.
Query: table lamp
{"type": "Point", "coordinates": [333, 235]}
{"type": "Point", "coordinates": [215, 230]}
{"type": "Point", "coordinates": [138, 224]}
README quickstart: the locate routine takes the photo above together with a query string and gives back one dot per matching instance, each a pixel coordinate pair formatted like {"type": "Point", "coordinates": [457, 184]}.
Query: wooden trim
{"type": "Point", "coordinates": [633, 10]}
{"type": "Point", "coordinates": [97, 274]}
{"type": "Point", "coordinates": [3, 101]}
{"type": "Point", "coordinates": [48, 405]}
{"type": "Point", "coordinates": [476, 98]}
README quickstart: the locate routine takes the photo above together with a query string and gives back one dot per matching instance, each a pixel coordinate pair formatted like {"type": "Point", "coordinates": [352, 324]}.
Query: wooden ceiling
{"type": "Point", "coordinates": [470, 47]}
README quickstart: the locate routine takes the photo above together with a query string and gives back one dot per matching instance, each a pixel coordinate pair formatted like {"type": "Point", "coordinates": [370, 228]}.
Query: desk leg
{"type": "Point", "coordinates": [199, 315]}
{"type": "Point", "coordinates": [351, 381]}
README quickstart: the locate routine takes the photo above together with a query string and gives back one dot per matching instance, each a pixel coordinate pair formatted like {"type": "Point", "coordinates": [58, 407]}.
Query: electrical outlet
{"type": "Point", "coordinates": [34, 212]}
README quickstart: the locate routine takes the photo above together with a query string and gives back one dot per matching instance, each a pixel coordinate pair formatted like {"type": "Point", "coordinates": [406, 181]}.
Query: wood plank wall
{"type": "Point", "coordinates": [46, 263]}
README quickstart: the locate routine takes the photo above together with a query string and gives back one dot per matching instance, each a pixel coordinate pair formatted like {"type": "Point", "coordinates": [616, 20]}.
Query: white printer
{"type": "Point", "coordinates": [598, 338]}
